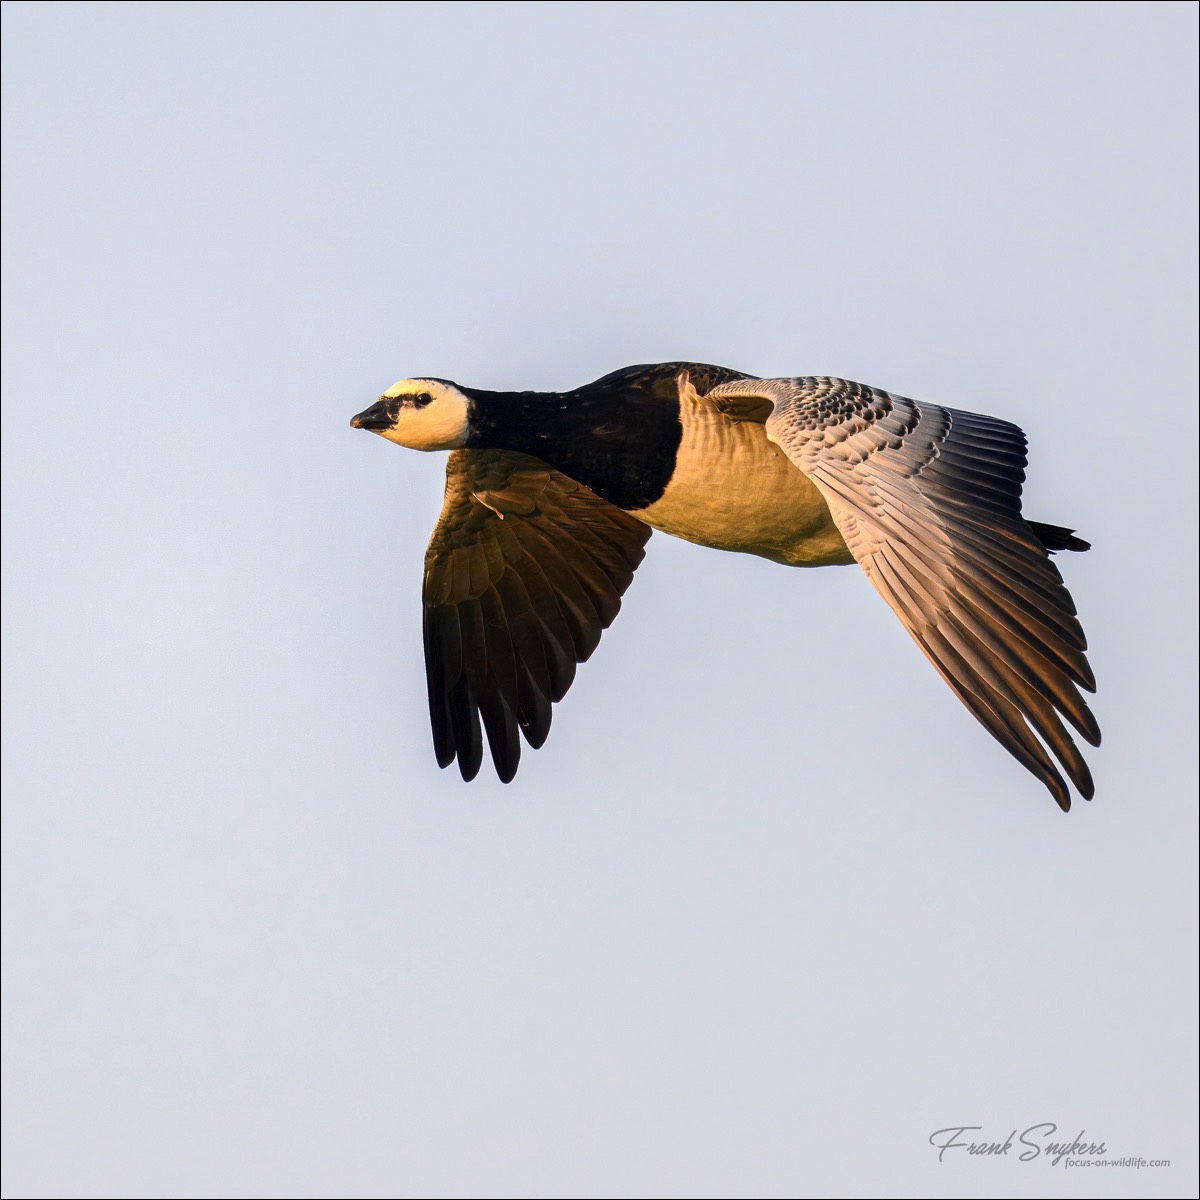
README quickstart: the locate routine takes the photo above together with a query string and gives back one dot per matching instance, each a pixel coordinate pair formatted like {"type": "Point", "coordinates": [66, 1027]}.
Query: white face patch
{"type": "Point", "coordinates": [431, 416]}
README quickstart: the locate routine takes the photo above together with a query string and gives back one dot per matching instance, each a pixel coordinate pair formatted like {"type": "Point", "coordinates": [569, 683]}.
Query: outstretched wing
{"type": "Point", "coordinates": [928, 500]}
{"type": "Point", "coordinates": [524, 571]}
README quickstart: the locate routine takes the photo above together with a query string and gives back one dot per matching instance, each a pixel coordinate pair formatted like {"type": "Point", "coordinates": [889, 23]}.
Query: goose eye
{"type": "Point", "coordinates": [422, 399]}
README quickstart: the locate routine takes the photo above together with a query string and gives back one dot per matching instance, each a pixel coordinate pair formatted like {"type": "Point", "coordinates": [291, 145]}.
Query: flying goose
{"type": "Point", "coordinates": [551, 497]}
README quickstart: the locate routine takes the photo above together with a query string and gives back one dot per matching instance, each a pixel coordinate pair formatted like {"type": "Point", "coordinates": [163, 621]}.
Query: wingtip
{"type": "Point", "coordinates": [1087, 789]}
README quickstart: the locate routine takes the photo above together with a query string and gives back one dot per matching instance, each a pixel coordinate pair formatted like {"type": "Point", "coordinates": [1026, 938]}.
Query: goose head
{"type": "Point", "coordinates": [422, 414]}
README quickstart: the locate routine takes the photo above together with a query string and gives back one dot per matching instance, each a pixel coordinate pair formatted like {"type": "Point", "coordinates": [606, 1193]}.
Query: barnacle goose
{"type": "Point", "coordinates": [551, 497]}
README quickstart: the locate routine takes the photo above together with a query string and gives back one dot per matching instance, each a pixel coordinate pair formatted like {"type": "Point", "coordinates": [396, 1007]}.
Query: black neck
{"type": "Point", "coordinates": [514, 420]}
{"type": "Point", "coordinates": [620, 442]}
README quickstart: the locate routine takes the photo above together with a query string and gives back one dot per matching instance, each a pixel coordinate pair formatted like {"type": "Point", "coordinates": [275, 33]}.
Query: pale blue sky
{"type": "Point", "coordinates": [769, 908]}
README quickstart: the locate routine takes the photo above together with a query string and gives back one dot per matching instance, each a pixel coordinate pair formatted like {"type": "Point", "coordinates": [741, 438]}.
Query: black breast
{"type": "Point", "coordinates": [619, 436]}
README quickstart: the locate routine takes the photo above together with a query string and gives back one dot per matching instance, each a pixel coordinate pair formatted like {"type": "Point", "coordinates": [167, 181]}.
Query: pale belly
{"type": "Point", "coordinates": [734, 490]}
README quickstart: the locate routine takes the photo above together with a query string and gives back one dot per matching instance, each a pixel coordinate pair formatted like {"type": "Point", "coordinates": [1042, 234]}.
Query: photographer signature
{"type": "Point", "coordinates": [1034, 1140]}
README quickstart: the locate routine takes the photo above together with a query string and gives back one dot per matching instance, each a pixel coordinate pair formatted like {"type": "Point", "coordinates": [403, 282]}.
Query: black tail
{"type": "Point", "coordinates": [1055, 537]}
